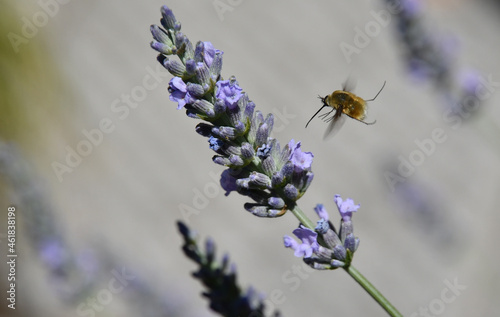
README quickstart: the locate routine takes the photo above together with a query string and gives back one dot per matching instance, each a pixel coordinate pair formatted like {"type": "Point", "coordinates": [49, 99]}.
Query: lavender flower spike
{"type": "Point", "coordinates": [225, 295]}
{"type": "Point", "coordinates": [323, 248]}
{"type": "Point", "coordinates": [257, 167]}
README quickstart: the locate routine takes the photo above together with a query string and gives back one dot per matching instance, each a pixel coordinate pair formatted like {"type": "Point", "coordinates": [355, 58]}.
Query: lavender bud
{"type": "Point", "coordinates": [220, 106]}
{"type": "Point", "coordinates": [346, 229]}
{"type": "Point", "coordinates": [184, 47]}
{"type": "Point", "coordinates": [240, 128]}
{"type": "Point", "coordinates": [356, 244]}
{"type": "Point", "coordinates": [287, 170]}
{"type": "Point", "coordinates": [195, 90]}
{"type": "Point", "coordinates": [249, 109]}
{"type": "Point", "coordinates": [254, 181]}
{"type": "Point", "coordinates": [190, 67]}
{"type": "Point", "coordinates": [160, 35]}
{"type": "Point", "coordinates": [199, 51]}
{"type": "Point", "coordinates": [227, 133]}
{"type": "Point", "coordinates": [273, 213]}
{"type": "Point", "coordinates": [263, 211]}
{"type": "Point", "coordinates": [257, 210]}
{"type": "Point", "coordinates": [339, 252]}
{"type": "Point", "coordinates": [308, 179]}
{"type": "Point", "coordinates": [323, 255]}
{"type": "Point", "coordinates": [268, 166]}
{"type": "Point", "coordinates": [221, 160]}
{"type": "Point", "coordinates": [203, 74]}
{"type": "Point", "coordinates": [336, 264]}
{"type": "Point", "coordinates": [277, 180]}
{"type": "Point", "coordinates": [331, 238]}
{"type": "Point", "coordinates": [321, 266]}
{"type": "Point", "coordinates": [231, 150]}
{"type": "Point", "coordinates": [256, 121]}
{"type": "Point", "coordinates": [351, 242]}
{"type": "Point", "coordinates": [282, 157]}
{"type": "Point", "coordinates": [262, 134]}
{"type": "Point", "coordinates": [204, 129]}
{"type": "Point", "coordinates": [174, 67]}
{"type": "Point", "coordinates": [291, 192]}
{"type": "Point", "coordinates": [216, 66]}
{"type": "Point", "coordinates": [260, 180]}
{"type": "Point", "coordinates": [236, 161]}
{"type": "Point", "coordinates": [276, 202]}
{"type": "Point", "coordinates": [204, 107]}
{"type": "Point", "coordinates": [247, 151]}
{"type": "Point", "coordinates": [162, 48]}
{"type": "Point", "coordinates": [270, 121]}
{"type": "Point", "coordinates": [168, 19]}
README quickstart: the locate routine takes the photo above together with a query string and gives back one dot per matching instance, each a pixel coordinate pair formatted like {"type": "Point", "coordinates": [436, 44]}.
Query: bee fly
{"type": "Point", "coordinates": [343, 102]}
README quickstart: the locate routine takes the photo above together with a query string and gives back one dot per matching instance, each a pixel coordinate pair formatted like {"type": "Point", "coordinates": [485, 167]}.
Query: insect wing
{"type": "Point", "coordinates": [334, 126]}
{"type": "Point", "coordinates": [349, 84]}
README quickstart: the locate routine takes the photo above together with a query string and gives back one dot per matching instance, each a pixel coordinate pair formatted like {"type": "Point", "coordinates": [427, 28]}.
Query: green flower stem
{"type": "Point", "coordinates": [391, 310]}
{"type": "Point", "coordinates": [302, 217]}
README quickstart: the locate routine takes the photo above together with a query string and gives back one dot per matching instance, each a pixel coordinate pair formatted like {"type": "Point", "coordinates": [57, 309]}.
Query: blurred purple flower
{"type": "Point", "coordinates": [52, 253]}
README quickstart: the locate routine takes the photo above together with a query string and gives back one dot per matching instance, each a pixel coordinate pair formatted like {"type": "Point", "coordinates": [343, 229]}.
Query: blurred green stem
{"type": "Point", "coordinates": [381, 300]}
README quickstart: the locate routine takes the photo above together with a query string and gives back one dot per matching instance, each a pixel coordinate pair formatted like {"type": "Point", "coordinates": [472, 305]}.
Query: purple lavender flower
{"type": "Point", "coordinates": [274, 178]}
{"type": "Point", "coordinates": [346, 208]}
{"type": "Point", "coordinates": [301, 160]}
{"type": "Point", "coordinates": [324, 248]}
{"type": "Point", "coordinates": [215, 144]}
{"type": "Point", "coordinates": [308, 245]}
{"type": "Point", "coordinates": [209, 53]}
{"type": "Point", "coordinates": [229, 92]}
{"type": "Point", "coordinates": [177, 89]}
{"type": "Point", "coordinates": [321, 212]}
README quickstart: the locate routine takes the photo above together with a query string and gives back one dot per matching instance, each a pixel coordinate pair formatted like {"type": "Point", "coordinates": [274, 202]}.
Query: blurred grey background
{"type": "Point", "coordinates": [87, 65]}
